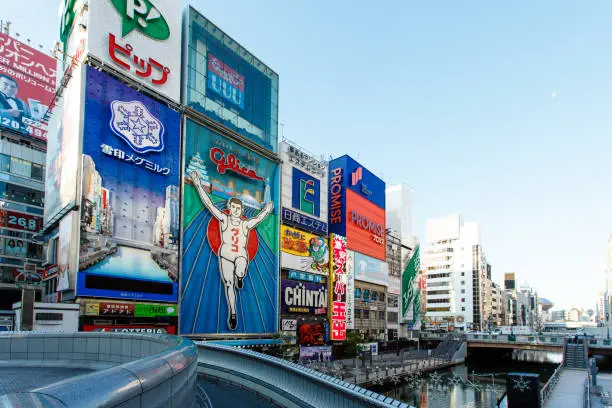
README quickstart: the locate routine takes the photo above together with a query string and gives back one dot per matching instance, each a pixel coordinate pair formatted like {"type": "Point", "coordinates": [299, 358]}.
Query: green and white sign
{"type": "Point", "coordinates": [144, 310]}
{"type": "Point", "coordinates": [410, 289]}
{"type": "Point", "coordinates": [143, 16]}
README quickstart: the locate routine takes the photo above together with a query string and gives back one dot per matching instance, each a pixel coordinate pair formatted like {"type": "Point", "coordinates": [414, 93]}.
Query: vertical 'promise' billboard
{"type": "Point", "coordinates": [230, 237]}
{"type": "Point", "coordinates": [27, 86]}
{"type": "Point", "coordinates": [130, 194]}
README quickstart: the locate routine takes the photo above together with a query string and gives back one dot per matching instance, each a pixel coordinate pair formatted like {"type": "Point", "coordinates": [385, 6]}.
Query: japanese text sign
{"type": "Point", "coordinates": [337, 284]}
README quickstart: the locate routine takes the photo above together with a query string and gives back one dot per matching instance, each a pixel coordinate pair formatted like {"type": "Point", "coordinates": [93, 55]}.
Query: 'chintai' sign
{"type": "Point", "coordinates": [301, 297]}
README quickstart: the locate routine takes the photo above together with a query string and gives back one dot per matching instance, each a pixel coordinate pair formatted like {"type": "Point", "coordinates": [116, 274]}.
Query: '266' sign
{"type": "Point", "coordinates": [24, 222]}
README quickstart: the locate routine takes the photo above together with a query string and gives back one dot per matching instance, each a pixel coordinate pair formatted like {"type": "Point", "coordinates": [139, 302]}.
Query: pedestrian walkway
{"type": "Point", "coordinates": [17, 379]}
{"type": "Point", "coordinates": [569, 392]}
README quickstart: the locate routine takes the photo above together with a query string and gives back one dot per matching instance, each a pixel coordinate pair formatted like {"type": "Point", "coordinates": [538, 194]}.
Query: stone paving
{"type": "Point", "coordinates": [14, 379]}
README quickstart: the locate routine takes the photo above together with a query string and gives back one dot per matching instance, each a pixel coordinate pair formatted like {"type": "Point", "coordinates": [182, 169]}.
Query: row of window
{"type": "Point", "coordinates": [368, 295]}
{"type": "Point", "coordinates": [365, 314]}
{"type": "Point", "coordinates": [21, 194]}
{"type": "Point", "coordinates": [20, 167]}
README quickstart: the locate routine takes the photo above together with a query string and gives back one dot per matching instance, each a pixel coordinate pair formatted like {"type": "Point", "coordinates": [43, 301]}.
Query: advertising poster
{"type": "Point", "coordinates": [63, 148]}
{"type": "Point", "coordinates": [304, 192]}
{"type": "Point", "coordinates": [67, 254]}
{"type": "Point", "coordinates": [302, 251]}
{"type": "Point", "coordinates": [350, 290]}
{"type": "Point", "coordinates": [229, 85]}
{"type": "Point", "coordinates": [337, 284]}
{"type": "Point", "coordinates": [371, 270]}
{"type": "Point", "coordinates": [145, 329]}
{"type": "Point", "coordinates": [27, 87]}
{"type": "Point", "coordinates": [230, 271]}
{"type": "Point", "coordinates": [130, 194]}
{"type": "Point", "coordinates": [320, 353]}
{"type": "Point", "coordinates": [311, 333]}
{"type": "Point", "coordinates": [410, 289]}
{"type": "Point", "coordinates": [302, 297]}
{"type": "Point", "coordinates": [142, 39]}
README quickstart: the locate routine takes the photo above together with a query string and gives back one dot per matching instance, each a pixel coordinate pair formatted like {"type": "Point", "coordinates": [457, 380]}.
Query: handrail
{"type": "Point", "coordinates": [547, 390]}
{"type": "Point", "coordinates": [144, 367]}
{"type": "Point", "coordinates": [304, 386]}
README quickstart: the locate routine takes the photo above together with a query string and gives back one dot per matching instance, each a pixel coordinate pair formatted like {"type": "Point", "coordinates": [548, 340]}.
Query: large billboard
{"type": "Point", "coordinates": [27, 87]}
{"type": "Point", "coordinates": [350, 290]}
{"type": "Point", "coordinates": [63, 148]}
{"type": "Point", "coordinates": [68, 246]}
{"type": "Point", "coordinates": [337, 288]}
{"type": "Point", "coordinates": [304, 191]}
{"type": "Point", "coordinates": [230, 271]}
{"type": "Point", "coordinates": [357, 207]}
{"type": "Point", "coordinates": [302, 251]}
{"type": "Point", "coordinates": [139, 38]}
{"type": "Point", "coordinates": [228, 84]}
{"type": "Point", "coordinates": [411, 290]}
{"type": "Point", "coordinates": [371, 270]}
{"type": "Point", "coordinates": [130, 194]}
{"type": "Point", "coordinates": [302, 297]}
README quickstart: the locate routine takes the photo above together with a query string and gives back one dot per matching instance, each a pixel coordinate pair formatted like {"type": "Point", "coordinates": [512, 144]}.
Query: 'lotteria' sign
{"type": "Point", "coordinates": [337, 288]}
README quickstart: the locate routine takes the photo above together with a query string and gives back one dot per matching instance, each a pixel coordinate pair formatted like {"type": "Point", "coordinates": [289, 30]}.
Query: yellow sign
{"type": "Point", "coordinates": [296, 242]}
{"type": "Point", "coordinates": [92, 309]}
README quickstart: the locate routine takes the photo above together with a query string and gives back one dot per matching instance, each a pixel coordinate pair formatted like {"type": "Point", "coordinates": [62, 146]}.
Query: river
{"type": "Point", "coordinates": [476, 384]}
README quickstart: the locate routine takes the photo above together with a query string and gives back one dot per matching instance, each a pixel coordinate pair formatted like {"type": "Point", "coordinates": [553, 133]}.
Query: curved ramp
{"type": "Point", "coordinates": [287, 384]}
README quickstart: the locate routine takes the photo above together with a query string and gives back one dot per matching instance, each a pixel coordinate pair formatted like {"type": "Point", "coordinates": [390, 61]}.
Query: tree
{"type": "Point", "coordinates": [353, 339]}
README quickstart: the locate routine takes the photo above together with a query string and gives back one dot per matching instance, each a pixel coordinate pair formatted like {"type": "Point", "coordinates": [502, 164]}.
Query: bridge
{"type": "Point", "coordinates": [135, 370]}
{"type": "Point", "coordinates": [540, 342]}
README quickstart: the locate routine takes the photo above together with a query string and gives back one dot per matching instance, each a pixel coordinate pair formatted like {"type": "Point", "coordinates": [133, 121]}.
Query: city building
{"type": "Point", "coordinates": [456, 273]}
{"type": "Point", "coordinates": [394, 261]}
{"type": "Point", "coordinates": [559, 316]}
{"type": "Point", "coordinates": [27, 86]}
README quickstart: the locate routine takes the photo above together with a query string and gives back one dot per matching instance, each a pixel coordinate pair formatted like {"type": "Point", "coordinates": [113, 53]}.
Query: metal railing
{"type": "Point", "coordinates": [549, 387]}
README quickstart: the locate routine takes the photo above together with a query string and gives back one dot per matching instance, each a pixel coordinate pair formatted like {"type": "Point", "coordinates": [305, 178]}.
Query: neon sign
{"type": "Point", "coordinates": [337, 283]}
{"type": "Point", "coordinates": [336, 190]}
{"type": "Point", "coordinates": [232, 163]}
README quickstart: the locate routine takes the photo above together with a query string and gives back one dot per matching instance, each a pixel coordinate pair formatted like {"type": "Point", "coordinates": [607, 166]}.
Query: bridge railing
{"type": "Point", "coordinates": [284, 382]}
{"type": "Point", "coordinates": [145, 370]}
{"type": "Point", "coordinates": [553, 340]}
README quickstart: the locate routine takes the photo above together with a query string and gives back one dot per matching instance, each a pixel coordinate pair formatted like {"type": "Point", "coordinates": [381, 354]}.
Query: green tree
{"type": "Point", "coordinates": [353, 339]}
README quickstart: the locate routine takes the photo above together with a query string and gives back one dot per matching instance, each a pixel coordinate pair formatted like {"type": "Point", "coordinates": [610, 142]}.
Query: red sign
{"type": "Point", "coordinates": [116, 309]}
{"type": "Point", "coordinates": [365, 226]}
{"type": "Point", "coordinates": [130, 329]}
{"type": "Point", "coordinates": [225, 72]}
{"type": "Point", "coordinates": [231, 162]}
{"type": "Point", "coordinates": [27, 87]}
{"type": "Point", "coordinates": [49, 272]}
{"type": "Point", "coordinates": [143, 67]}
{"type": "Point", "coordinates": [20, 221]}
{"type": "Point", "coordinates": [311, 334]}
{"type": "Point", "coordinates": [338, 288]}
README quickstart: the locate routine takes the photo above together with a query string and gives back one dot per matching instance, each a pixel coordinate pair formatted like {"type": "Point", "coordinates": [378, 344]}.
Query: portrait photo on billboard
{"type": "Point", "coordinates": [27, 87]}
{"type": "Point", "coordinates": [302, 251]}
{"type": "Point", "coordinates": [230, 271]}
{"type": "Point", "coordinates": [130, 194]}
{"type": "Point", "coordinates": [229, 85]}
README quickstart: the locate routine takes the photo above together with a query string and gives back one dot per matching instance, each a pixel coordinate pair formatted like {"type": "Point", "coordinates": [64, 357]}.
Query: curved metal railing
{"type": "Point", "coordinates": [157, 370]}
{"type": "Point", "coordinates": [285, 381]}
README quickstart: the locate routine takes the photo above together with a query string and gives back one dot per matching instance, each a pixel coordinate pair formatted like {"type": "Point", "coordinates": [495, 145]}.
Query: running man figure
{"type": "Point", "coordinates": [233, 256]}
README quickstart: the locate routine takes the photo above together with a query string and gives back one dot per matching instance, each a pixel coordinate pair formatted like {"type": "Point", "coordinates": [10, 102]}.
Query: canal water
{"type": "Point", "coordinates": [476, 384]}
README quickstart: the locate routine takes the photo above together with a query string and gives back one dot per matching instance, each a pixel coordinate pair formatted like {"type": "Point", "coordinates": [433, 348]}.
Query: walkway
{"type": "Point", "coordinates": [225, 395]}
{"type": "Point", "coordinates": [569, 392]}
{"type": "Point", "coordinates": [15, 379]}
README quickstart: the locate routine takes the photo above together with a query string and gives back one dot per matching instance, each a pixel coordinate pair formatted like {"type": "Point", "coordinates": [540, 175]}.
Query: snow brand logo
{"type": "Point", "coordinates": [143, 16]}
{"type": "Point", "coordinates": [133, 122]}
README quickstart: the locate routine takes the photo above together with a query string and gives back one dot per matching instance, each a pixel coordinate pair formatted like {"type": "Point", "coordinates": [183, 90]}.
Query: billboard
{"type": "Point", "coordinates": [371, 270]}
{"type": "Point", "coordinates": [411, 303]}
{"type": "Point", "coordinates": [141, 39]}
{"type": "Point", "coordinates": [302, 251]}
{"type": "Point", "coordinates": [130, 194]}
{"type": "Point", "coordinates": [130, 309]}
{"type": "Point", "coordinates": [27, 87]}
{"type": "Point", "coordinates": [230, 271]}
{"type": "Point", "coordinates": [304, 191]}
{"type": "Point", "coordinates": [20, 221]}
{"type": "Point", "coordinates": [311, 333]}
{"type": "Point", "coordinates": [316, 353]}
{"type": "Point", "coordinates": [67, 254]}
{"type": "Point", "coordinates": [146, 329]}
{"type": "Point", "coordinates": [337, 288]}
{"type": "Point", "coordinates": [357, 207]}
{"type": "Point", "coordinates": [395, 285]}
{"type": "Point", "coordinates": [228, 84]}
{"type": "Point", "coordinates": [302, 297]}
{"type": "Point", "coordinates": [63, 148]}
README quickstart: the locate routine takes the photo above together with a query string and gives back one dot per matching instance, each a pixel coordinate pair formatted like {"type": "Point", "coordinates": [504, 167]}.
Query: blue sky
{"type": "Point", "coordinates": [500, 112]}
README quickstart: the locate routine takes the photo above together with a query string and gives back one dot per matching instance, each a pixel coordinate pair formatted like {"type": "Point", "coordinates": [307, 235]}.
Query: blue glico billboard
{"type": "Point", "coordinates": [130, 194]}
{"type": "Point", "coordinates": [230, 271]}
{"type": "Point", "coordinates": [228, 84]}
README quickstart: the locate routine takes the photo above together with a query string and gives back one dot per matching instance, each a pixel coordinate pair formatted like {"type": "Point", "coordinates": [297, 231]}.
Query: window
{"type": "Point", "coordinates": [462, 300]}
{"type": "Point", "coordinates": [463, 282]}
{"type": "Point", "coordinates": [5, 162]}
{"type": "Point", "coordinates": [392, 317]}
{"type": "Point", "coordinates": [381, 315]}
{"type": "Point", "coordinates": [357, 313]}
{"type": "Point", "coordinates": [462, 291]}
{"type": "Point", "coordinates": [37, 172]}
{"type": "Point", "coordinates": [374, 295]}
{"type": "Point", "coordinates": [357, 293]}
{"type": "Point", "coordinates": [21, 167]}
{"type": "Point", "coordinates": [366, 313]}
{"type": "Point", "coordinates": [462, 273]}
{"type": "Point", "coordinates": [463, 308]}
{"type": "Point", "coordinates": [382, 296]}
